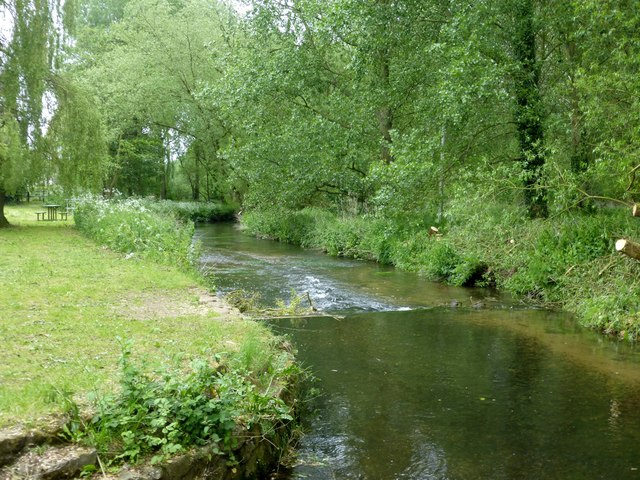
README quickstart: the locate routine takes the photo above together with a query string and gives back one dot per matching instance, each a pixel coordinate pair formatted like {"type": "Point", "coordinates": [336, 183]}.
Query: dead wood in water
{"type": "Point", "coordinates": [288, 317]}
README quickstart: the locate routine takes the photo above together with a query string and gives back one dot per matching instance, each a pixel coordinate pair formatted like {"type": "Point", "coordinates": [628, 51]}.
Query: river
{"type": "Point", "coordinates": [413, 388]}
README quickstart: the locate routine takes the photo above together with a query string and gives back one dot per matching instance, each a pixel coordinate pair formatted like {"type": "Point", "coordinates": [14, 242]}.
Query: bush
{"type": "Point", "coordinates": [354, 237]}
{"type": "Point", "coordinates": [164, 413]}
{"type": "Point", "coordinates": [295, 227]}
{"type": "Point", "coordinates": [135, 226]}
{"type": "Point", "coordinates": [558, 246]}
{"type": "Point", "coordinates": [195, 211]}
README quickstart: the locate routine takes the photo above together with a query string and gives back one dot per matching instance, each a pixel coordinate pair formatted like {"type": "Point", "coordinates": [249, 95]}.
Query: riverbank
{"type": "Point", "coordinates": [568, 261]}
{"type": "Point", "coordinates": [79, 321]}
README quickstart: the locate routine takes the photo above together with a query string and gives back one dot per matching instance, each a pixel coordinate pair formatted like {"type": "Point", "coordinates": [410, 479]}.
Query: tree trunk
{"type": "Point", "coordinates": [629, 248]}
{"type": "Point", "coordinates": [441, 180]}
{"type": "Point", "coordinates": [580, 155]}
{"type": "Point", "coordinates": [166, 161]}
{"type": "Point", "coordinates": [385, 110]}
{"type": "Point", "coordinates": [198, 161]}
{"type": "Point", "coordinates": [385, 123]}
{"type": "Point", "coordinates": [116, 173]}
{"type": "Point", "coordinates": [3, 220]}
{"type": "Point", "coordinates": [529, 110]}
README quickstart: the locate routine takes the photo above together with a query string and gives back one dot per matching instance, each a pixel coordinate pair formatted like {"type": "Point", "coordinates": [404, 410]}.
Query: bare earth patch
{"type": "Point", "coordinates": [170, 304]}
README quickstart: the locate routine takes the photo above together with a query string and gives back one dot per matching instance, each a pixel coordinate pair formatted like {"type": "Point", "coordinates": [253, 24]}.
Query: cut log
{"type": "Point", "coordinates": [433, 231]}
{"type": "Point", "coordinates": [629, 248]}
{"type": "Point", "coordinates": [635, 211]}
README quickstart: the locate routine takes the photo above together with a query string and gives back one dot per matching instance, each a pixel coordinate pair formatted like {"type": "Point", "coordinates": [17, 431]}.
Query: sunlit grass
{"type": "Point", "coordinates": [25, 215]}
{"type": "Point", "coordinates": [66, 307]}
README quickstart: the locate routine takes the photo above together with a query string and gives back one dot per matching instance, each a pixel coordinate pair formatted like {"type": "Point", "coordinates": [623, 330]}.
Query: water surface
{"type": "Point", "coordinates": [240, 262]}
{"type": "Point", "coordinates": [459, 395]}
{"type": "Point", "coordinates": [413, 392]}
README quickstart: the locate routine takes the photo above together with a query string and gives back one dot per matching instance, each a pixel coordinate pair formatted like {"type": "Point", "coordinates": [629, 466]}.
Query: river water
{"type": "Point", "coordinates": [412, 388]}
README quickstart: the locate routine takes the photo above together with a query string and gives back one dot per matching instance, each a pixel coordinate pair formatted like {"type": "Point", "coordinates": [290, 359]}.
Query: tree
{"type": "Point", "coordinates": [169, 58]}
{"type": "Point", "coordinates": [528, 115]}
{"type": "Point", "coordinates": [609, 93]}
{"type": "Point", "coordinates": [401, 107]}
{"type": "Point", "coordinates": [332, 86]}
{"type": "Point", "coordinates": [46, 122]}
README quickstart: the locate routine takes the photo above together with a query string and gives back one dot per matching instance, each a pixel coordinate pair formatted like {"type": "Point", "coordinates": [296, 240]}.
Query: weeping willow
{"type": "Point", "coordinates": [48, 128]}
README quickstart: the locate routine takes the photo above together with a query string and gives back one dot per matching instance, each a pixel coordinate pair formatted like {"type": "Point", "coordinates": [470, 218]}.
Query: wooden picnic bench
{"type": "Point", "coordinates": [53, 213]}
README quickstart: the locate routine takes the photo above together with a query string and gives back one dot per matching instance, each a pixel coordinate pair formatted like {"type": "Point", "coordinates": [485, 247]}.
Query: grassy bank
{"type": "Point", "coordinates": [70, 308]}
{"type": "Point", "coordinates": [568, 261]}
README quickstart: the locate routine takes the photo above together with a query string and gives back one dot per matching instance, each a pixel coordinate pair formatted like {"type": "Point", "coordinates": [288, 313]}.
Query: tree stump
{"type": "Point", "coordinates": [629, 248]}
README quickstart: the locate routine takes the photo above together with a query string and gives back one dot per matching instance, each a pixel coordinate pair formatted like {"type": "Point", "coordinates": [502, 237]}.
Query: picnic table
{"type": "Point", "coordinates": [52, 211]}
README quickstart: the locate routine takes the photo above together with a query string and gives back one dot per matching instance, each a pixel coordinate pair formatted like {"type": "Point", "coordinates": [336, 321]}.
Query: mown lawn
{"type": "Point", "coordinates": [67, 305]}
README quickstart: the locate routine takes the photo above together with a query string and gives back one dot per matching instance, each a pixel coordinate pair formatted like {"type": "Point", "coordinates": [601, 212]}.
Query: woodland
{"type": "Point", "coordinates": [510, 126]}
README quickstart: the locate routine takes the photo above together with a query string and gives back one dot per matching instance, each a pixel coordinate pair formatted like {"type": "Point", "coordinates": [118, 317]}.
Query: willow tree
{"type": "Point", "coordinates": [155, 67]}
{"type": "Point", "coordinates": [46, 127]}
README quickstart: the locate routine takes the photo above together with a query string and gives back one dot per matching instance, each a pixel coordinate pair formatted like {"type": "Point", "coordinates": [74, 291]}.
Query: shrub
{"type": "Point", "coordinates": [558, 246]}
{"type": "Point", "coordinates": [295, 227]}
{"type": "Point", "coordinates": [562, 261]}
{"type": "Point", "coordinates": [408, 250]}
{"type": "Point", "coordinates": [195, 211]}
{"type": "Point", "coordinates": [441, 261]}
{"type": "Point", "coordinates": [469, 272]}
{"type": "Point", "coordinates": [163, 413]}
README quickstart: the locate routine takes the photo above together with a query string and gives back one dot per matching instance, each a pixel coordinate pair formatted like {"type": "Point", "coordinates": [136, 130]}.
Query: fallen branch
{"type": "Point", "coordinates": [294, 317]}
{"type": "Point", "coordinates": [613, 260]}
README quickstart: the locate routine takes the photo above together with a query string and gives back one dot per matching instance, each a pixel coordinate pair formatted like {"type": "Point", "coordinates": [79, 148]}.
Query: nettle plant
{"type": "Point", "coordinates": [163, 413]}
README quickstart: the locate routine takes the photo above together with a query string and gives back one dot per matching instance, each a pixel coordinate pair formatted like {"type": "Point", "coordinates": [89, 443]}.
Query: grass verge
{"type": "Point", "coordinates": [68, 306]}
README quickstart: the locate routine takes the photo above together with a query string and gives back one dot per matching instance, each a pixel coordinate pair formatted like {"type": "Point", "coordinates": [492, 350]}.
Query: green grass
{"type": "Point", "coordinates": [67, 305]}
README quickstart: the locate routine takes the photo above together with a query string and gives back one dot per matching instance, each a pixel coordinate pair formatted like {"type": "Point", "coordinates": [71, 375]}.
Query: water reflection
{"type": "Point", "coordinates": [455, 395]}
{"type": "Point", "coordinates": [441, 394]}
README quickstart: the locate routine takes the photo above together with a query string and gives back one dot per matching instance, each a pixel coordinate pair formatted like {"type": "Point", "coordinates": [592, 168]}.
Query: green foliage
{"type": "Point", "coordinates": [165, 412]}
{"type": "Point", "coordinates": [409, 250]}
{"type": "Point", "coordinates": [363, 122]}
{"type": "Point", "coordinates": [49, 129]}
{"type": "Point", "coordinates": [162, 110]}
{"type": "Point", "coordinates": [299, 305]}
{"type": "Point", "coordinates": [349, 236]}
{"type": "Point", "coordinates": [245, 302]}
{"type": "Point", "coordinates": [293, 227]}
{"type": "Point", "coordinates": [440, 260]}
{"type": "Point", "coordinates": [196, 211]}
{"type": "Point", "coordinates": [75, 139]}
{"type": "Point", "coordinates": [135, 226]}
{"type": "Point", "coordinates": [559, 246]}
